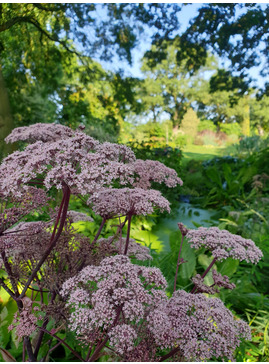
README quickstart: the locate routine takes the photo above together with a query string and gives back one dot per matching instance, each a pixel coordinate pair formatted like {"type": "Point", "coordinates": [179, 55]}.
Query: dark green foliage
{"type": "Point", "coordinates": [171, 157]}
{"type": "Point", "coordinates": [231, 32]}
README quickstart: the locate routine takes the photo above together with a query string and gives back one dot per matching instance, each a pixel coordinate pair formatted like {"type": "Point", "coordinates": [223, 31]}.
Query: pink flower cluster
{"type": "Point", "coordinates": [122, 338]}
{"type": "Point", "coordinates": [224, 244]}
{"type": "Point", "coordinates": [26, 323]}
{"type": "Point", "coordinates": [154, 171]}
{"type": "Point", "coordinates": [135, 250]}
{"type": "Point", "coordinates": [32, 200]}
{"type": "Point", "coordinates": [97, 293]}
{"type": "Point", "coordinates": [39, 131]}
{"type": "Point", "coordinates": [72, 158]}
{"type": "Point", "coordinates": [200, 327]}
{"type": "Point", "coordinates": [14, 238]}
{"type": "Point", "coordinates": [222, 281]}
{"type": "Point", "coordinates": [75, 216]}
{"type": "Point", "coordinates": [219, 281]}
{"type": "Point", "coordinates": [137, 201]}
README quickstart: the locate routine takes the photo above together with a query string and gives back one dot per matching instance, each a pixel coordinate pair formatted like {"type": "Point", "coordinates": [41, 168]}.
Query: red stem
{"type": "Point", "coordinates": [10, 274]}
{"type": "Point", "coordinates": [12, 294]}
{"type": "Point", "coordinates": [171, 353]}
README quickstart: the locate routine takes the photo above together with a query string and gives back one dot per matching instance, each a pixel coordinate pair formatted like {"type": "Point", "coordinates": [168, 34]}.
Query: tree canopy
{"type": "Point", "coordinates": [50, 52]}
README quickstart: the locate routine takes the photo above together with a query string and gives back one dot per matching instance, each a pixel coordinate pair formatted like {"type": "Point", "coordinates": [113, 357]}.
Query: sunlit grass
{"type": "Point", "coordinates": [202, 152]}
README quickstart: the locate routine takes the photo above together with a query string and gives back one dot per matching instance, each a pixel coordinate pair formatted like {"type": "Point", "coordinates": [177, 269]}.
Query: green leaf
{"type": "Point", "coordinates": [228, 267]}
{"type": "Point", "coordinates": [4, 296]}
{"type": "Point", "coordinates": [229, 222]}
{"type": "Point", "coordinates": [204, 260]}
{"type": "Point", "coordinates": [149, 239]}
{"type": "Point", "coordinates": [6, 355]}
{"type": "Point", "coordinates": [196, 224]}
{"type": "Point", "coordinates": [186, 270]}
{"type": "Point", "coordinates": [3, 315]}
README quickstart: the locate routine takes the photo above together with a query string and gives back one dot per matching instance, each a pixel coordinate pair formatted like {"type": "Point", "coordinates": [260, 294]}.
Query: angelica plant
{"type": "Point", "coordinates": [89, 286]}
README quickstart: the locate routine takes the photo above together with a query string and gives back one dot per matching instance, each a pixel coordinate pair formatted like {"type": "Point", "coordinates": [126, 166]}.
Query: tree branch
{"type": "Point", "coordinates": [29, 20]}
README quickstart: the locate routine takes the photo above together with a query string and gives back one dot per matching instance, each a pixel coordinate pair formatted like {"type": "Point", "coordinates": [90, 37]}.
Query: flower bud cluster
{"type": "Point", "coordinates": [224, 244]}
{"type": "Point", "coordinates": [26, 323]}
{"type": "Point", "coordinates": [200, 327]}
{"type": "Point", "coordinates": [135, 250]}
{"type": "Point", "coordinates": [219, 281]}
{"type": "Point", "coordinates": [154, 171]}
{"type": "Point", "coordinates": [39, 131]}
{"type": "Point", "coordinates": [137, 201]}
{"type": "Point", "coordinates": [96, 294]}
{"type": "Point", "coordinates": [72, 158]}
{"type": "Point", "coordinates": [75, 216]}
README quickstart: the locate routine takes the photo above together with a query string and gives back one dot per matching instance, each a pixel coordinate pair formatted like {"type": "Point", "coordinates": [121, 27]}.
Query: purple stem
{"type": "Point", "coordinates": [205, 273]}
{"type": "Point", "coordinates": [10, 274]}
{"type": "Point", "coordinates": [178, 262]}
{"type": "Point", "coordinates": [44, 325]}
{"type": "Point", "coordinates": [63, 342]}
{"type": "Point", "coordinates": [54, 238]}
{"type": "Point", "coordinates": [103, 343]}
{"type": "Point", "coordinates": [99, 231]}
{"type": "Point", "coordinates": [128, 233]}
{"type": "Point", "coordinates": [29, 348]}
{"type": "Point", "coordinates": [171, 353]}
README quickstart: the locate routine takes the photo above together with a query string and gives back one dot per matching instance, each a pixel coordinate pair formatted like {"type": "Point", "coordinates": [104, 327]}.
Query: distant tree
{"type": "Point", "coordinates": [152, 101]}
{"type": "Point", "coordinates": [177, 80]}
{"type": "Point", "coordinates": [238, 31]}
{"type": "Point", "coordinates": [189, 124]}
{"type": "Point", "coordinates": [259, 114]}
{"type": "Point", "coordinates": [37, 45]}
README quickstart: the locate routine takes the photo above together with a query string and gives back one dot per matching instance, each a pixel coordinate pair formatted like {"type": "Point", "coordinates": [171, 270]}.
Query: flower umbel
{"type": "Point", "coordinates": [224, 244]}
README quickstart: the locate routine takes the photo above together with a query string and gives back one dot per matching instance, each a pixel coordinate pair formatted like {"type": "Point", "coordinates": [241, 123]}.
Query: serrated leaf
{"type": "Point", "coordinates": [15, 338]}
{"type": "Point", "coordinates": [208, 280]}
{"type": "Point", "coordinates": [4, 336]}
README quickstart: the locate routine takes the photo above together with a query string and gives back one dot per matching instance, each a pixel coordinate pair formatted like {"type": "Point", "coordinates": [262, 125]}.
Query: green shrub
{"type": "Point", "coordinates": [231, 129]}
{"type": "Point", "coordinates": [206, 125]}
{"type": "Point", "coordinates": [170, 156]}
{"type": "Point", "coordinates": [250, 145]}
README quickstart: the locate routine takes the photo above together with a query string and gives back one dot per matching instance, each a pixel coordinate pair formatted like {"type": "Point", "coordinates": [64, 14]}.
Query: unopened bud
{"type": "Point", "coordinates": [182, 228]}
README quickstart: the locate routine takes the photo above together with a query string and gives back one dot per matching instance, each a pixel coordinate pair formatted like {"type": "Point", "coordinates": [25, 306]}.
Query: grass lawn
{"type": "Point", "coordinates": [201, 152]}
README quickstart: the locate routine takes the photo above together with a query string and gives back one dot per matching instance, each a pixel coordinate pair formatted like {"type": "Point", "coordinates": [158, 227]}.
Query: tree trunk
{"type": "Point", "coordinates": [6, 120]}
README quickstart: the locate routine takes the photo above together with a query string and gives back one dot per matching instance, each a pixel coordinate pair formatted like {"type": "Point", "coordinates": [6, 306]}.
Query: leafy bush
{"type": "Point", "coordinates": [208, 137]}
{"type": "Point", "coordinates": [207, 125]}
{"type": "Point", "coordinates": [231, 129]}
{"type": "Point", "coordinates": [250, 145]}
{"type": "Point", "coordinates": [171, 157]}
